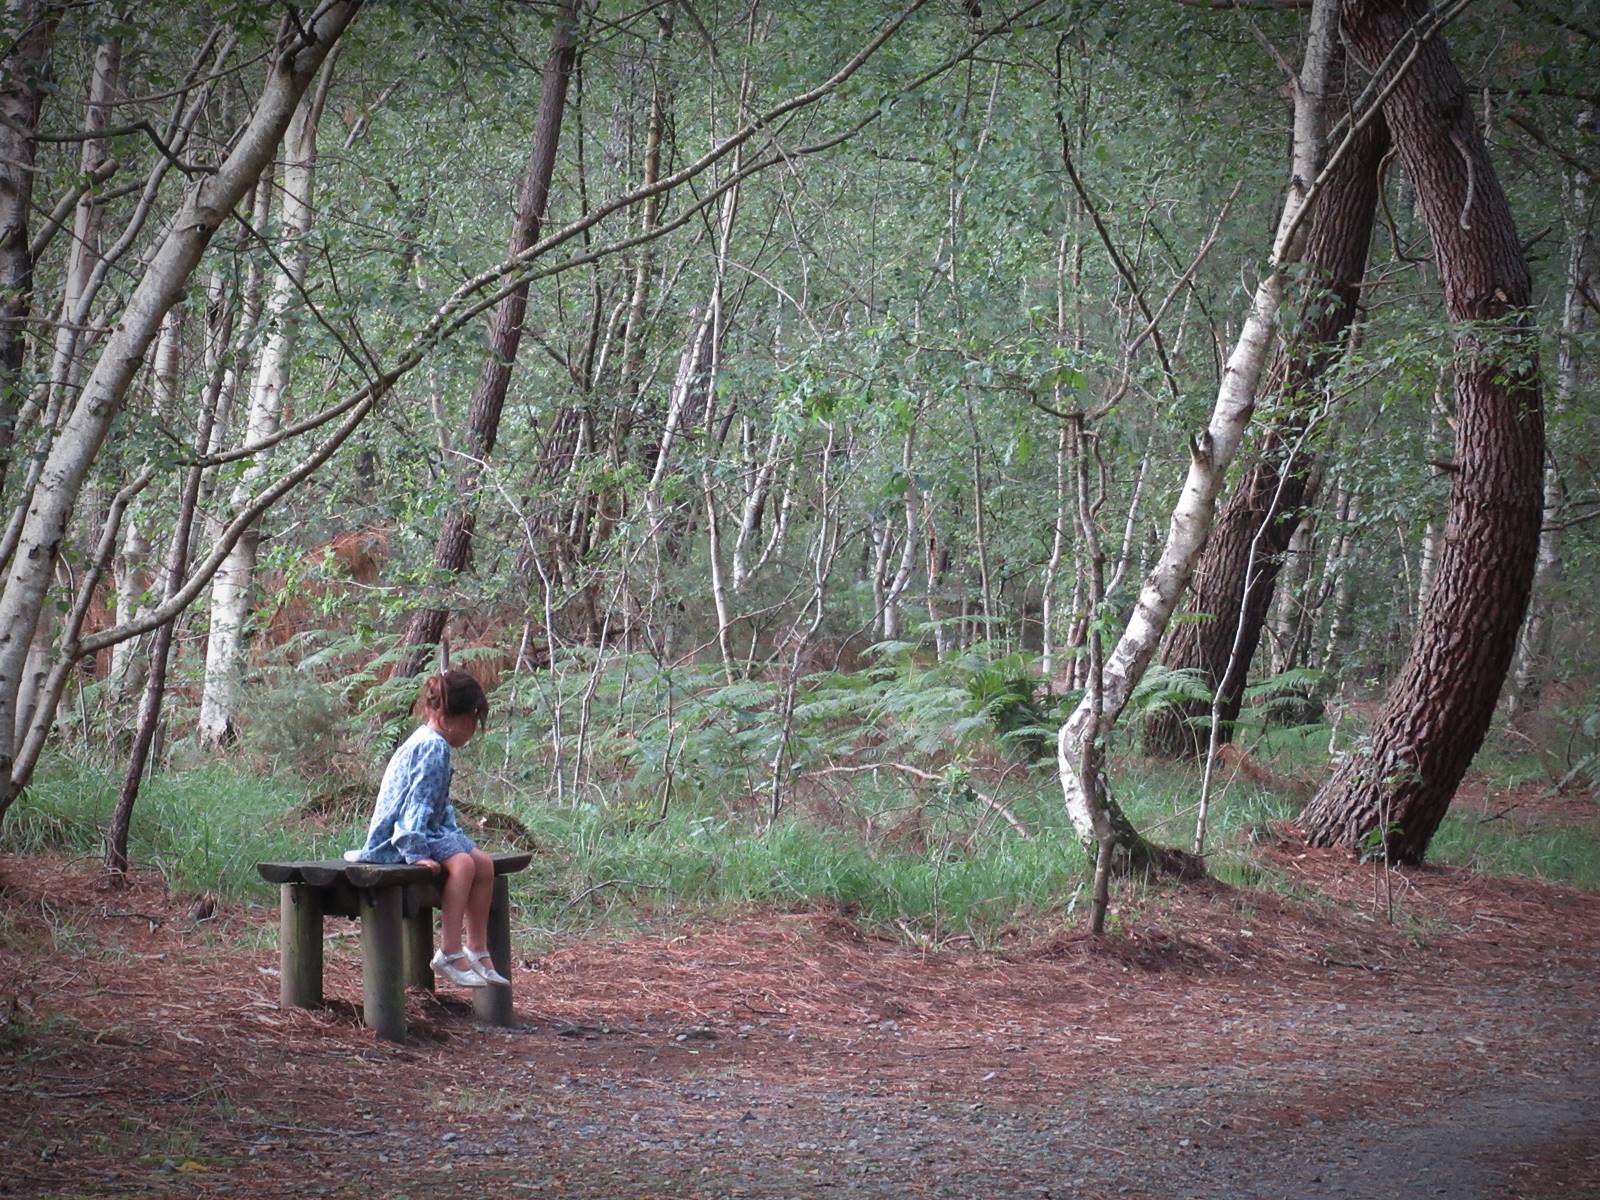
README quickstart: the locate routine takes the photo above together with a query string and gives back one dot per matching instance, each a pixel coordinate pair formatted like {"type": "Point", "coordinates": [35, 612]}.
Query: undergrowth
{"type": "Point", "coordinates": [919, 798]}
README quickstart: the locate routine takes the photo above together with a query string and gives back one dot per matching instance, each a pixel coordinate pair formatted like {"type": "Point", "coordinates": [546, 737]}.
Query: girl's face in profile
{"type": "Point", "coordinates": [457, 730]}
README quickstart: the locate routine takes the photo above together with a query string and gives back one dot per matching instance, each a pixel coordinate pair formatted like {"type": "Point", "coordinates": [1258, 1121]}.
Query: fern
{"type": "Point", "coordinates": [1163, 687]}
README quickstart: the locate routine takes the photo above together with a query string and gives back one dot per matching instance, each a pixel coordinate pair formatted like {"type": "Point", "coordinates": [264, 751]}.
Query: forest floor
{"type": "Point", "coordinates": [1284, 1041]}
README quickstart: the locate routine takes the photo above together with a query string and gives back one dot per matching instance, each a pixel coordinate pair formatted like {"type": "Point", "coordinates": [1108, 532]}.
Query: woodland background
{"type": "Point", "coordinates": [780, 408]}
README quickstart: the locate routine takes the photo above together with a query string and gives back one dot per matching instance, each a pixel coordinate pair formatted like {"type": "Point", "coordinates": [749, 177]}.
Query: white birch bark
{"type": "Point", "coordinates": [83, 256]}
{"type": "Point", "coordinates": [1052, 568]}
{"type": "Point", "coordinates": [89, 266]}
{"type": "Point", "coordinates": [979, 524]}
{"type": "Point", "coordinates": [932, 553]}
{"type": "Point", "coordinates": [206, 205]}
{"type": "Point", "coordinates": [719, 582]}
{"type": "Point", "coordinates": [235, 581]}
{"type": "Point", "coordinates": [757, 502]}
{"type": "Point", "coordinates": [1428, 559]}
{"type": "Point", "coordinates": [1348, 509]}
{"type": "Point", "coordinates": [1211, 454]}
{"type": "Point", "coordinates": [84, 250]}
{"type": "Point", "coordinates": [1288, 606]}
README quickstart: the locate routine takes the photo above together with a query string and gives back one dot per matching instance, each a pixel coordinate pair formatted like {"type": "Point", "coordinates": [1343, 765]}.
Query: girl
{"type": "Point", "coordinates": [415, 822]}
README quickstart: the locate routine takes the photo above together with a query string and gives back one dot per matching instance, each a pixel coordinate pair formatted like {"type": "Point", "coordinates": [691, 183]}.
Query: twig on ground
{"type": "Point", "coordinates": [587, 892]}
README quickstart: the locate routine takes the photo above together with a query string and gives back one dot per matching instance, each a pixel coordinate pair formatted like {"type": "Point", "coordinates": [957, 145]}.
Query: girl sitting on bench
{"type": "Point", "coordinates": [414, 822]}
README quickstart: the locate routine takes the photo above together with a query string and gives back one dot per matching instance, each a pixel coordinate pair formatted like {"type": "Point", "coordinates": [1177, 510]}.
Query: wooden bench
{"type": "Point", "coordinates": [395, 906]}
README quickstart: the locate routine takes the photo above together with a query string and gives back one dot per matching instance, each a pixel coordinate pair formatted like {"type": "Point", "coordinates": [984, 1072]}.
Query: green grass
{"type": "Point", "coordinates": [931, 864]}
{"type": "Point", "coordinates": [204, 829]}
{"type": "Point", "coordinates": [694, 863]}
{"type": "Point", "coordinates": [1556, 855]}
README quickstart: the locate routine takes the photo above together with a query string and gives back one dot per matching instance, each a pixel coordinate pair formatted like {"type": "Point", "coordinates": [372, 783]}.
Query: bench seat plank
{"type": "Point", "coordinates": [326, 872]}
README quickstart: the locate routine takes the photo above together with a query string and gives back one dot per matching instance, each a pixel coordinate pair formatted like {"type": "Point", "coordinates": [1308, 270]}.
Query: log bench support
{"type": "Point", "coordinates": [395, 906]}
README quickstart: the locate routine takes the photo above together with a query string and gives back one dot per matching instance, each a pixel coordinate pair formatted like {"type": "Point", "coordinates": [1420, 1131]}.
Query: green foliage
{"type": "Point", "coordinates": [1008, 692]}
{"type": "Point", "coordinates": [1285, 698]}
{"type": "Point", "coordinates": [1567, 855]}
{"type": "Point", "coordinates": [204, 829]}
{"type": "Point", "coordinates": [1162, 687]}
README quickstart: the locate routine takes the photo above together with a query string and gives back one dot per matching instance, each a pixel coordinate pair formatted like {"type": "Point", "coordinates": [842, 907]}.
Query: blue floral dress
{"type": "Point", "coordinates": [414, 818]}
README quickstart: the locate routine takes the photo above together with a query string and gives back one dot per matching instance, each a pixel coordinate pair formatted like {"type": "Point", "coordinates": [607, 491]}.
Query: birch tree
{"type": "Point", "coordinates": [1093, 816]}
{"type": "Point", "coordinates": [1237, 572]}
{"type": "Point", "coordinates": [1574, 373]}
{"type": "Point", "coordinates": [22, 94]}
{"type": "Point", "coordinates": [302, 46]}
{"type": "Point", "coordinates": [234, 582]}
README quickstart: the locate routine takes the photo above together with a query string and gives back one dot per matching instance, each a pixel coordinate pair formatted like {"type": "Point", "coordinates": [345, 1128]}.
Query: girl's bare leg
{"type": "Point", "coordinates": [479, 899]}
{"type": "Point", "coordinates": [460, 872]}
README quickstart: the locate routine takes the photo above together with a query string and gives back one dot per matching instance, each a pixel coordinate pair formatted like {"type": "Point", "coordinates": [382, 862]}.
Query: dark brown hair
{"type": "Point", "coordinates": [454, 694]}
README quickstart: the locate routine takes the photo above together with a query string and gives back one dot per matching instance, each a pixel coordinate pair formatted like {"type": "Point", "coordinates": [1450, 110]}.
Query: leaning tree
{"type": "Point", "coordinates": [1394, 790]}
{"type": "Point", "coordinates": [1234, 581]}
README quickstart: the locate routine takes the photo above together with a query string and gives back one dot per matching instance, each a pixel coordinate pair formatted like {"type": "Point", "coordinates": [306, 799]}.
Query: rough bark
{"type": "Point", "coordinates": [1241, 560]}
{"type": "Point", "coordinates": [206, 205]}
{"type": "Point", "coordinates": [453, 548]}
{"type": "Point", "coordinates": [1397, 788]}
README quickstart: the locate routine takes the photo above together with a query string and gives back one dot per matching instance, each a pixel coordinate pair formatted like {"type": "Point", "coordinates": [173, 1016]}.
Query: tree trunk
{"type": "Point", "coordinates": [1094, 817]}
{"type": "Point", "coordinates": [453, 548]}
{"type": "Point", "coordinates": [1395, 791]}
{"type": "Point", "coordinates": [22, 91]}
{"type": "Point", "coordinates": [1428, 559]}
{"type": "Point", "coordinates": [155, 683]}
{"type": "Point", "coordinates": [77, 294]}
{"type": "Point", "coordinates": [207, 204]}
{"type": "Point", "coordinates": [133, 571]}
{"type": "Point", "coordinates": [1338, 582]}
{"type": "Point", "coordinates": [1245, 552]}
{"type": "Point", "coordinates": [1574, 373]}
{"type": "Point", "coordinates": [235, 580]}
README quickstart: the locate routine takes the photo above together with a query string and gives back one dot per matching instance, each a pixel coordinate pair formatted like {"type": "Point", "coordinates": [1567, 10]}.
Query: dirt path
{"type": "Point", "coordinates": [1225, 1044]}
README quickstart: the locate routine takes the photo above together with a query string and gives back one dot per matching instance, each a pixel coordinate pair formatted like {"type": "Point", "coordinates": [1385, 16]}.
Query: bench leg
{"type": "Point", "coordinates": [299, 946]}
{"type": "Point", "coordinates": [492, 1004]}
{"type": "Point", "coordinates": [383, 984]}
{"type": "Point", "coordinates": [419, 949]}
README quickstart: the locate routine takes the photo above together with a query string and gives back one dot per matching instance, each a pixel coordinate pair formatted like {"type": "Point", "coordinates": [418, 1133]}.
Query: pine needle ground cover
{"type": "Point", "coordinates": [1231, 1041]}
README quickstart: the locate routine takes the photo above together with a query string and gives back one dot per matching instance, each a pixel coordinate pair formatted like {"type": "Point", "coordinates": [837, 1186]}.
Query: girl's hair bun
{"type": "Point", "coordinates": [454, 694]}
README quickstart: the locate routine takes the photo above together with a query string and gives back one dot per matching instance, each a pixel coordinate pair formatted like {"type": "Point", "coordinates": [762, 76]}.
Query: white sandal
{"type": "Point", "coordinates": [484, 966]}
{"type": "Point", "coordinates": [447, 965]}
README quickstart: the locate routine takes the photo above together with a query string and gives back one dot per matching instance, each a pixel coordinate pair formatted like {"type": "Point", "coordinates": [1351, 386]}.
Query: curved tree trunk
{"type": "Point", "coordinates": [1268, 500]}
{"type": "Point", "coordinates": [1396, 790]}
{"type": "Point", "coordinates": [453, 549]}
{"type": "Point", "coordinates": [1094, 816]}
